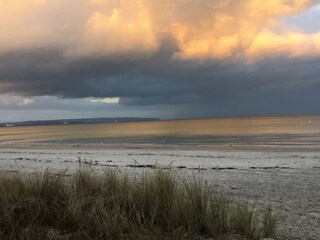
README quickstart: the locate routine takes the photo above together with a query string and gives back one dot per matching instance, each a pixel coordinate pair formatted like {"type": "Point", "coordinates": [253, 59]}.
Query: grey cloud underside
{"type": "Point", "coordinates": [270, 86]}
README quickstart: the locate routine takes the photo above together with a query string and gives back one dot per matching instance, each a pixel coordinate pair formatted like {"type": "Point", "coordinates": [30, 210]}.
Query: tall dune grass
{"type": "Point", "coordinates": [114, 206]}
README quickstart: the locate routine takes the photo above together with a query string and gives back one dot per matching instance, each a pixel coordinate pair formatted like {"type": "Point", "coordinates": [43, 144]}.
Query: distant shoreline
{"type": "Point", "coordinates": [74, 121]}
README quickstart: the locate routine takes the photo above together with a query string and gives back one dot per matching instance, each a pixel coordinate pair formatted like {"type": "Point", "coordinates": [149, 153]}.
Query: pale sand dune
{"type": "Point", "coordinates": [288, 180]}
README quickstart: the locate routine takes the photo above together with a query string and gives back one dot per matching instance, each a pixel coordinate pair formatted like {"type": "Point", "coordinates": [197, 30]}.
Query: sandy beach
{"type": "Point", "coordinates": [285, 178]}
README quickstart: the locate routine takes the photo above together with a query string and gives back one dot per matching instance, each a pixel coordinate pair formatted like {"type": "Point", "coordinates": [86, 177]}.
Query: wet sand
{"type": "Point", "coordinates": [286, 178]}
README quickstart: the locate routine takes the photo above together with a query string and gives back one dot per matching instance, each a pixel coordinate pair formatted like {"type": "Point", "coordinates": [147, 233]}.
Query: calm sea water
{"type": "Point", "coordinates": [300, 130]}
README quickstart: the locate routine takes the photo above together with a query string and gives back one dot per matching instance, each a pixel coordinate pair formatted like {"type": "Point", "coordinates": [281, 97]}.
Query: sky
{"type": "Point", "coordinates": [151, 58]}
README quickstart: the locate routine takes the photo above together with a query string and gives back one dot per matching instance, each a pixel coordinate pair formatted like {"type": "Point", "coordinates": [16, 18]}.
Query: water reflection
{"type": "Point", "coordinates": [272, 130]}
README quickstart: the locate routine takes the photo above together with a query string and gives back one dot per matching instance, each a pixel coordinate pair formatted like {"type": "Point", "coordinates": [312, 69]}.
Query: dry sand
{"type": "Point", "coordinates": [287, 179]}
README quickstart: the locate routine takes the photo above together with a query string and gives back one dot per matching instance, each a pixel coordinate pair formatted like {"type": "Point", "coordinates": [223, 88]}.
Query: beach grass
{"type": "Point", "coordinates": [157, 205]}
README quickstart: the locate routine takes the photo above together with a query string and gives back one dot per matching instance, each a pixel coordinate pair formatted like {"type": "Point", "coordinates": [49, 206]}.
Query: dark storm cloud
{"type": "Point", "coordinates": [170, 58]}
{"type": "Point", "coordinates": [274, 85]}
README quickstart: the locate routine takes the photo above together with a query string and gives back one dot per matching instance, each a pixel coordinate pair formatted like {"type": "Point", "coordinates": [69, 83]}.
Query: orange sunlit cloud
{"type": "Point", "coordinates": [201, 28]}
